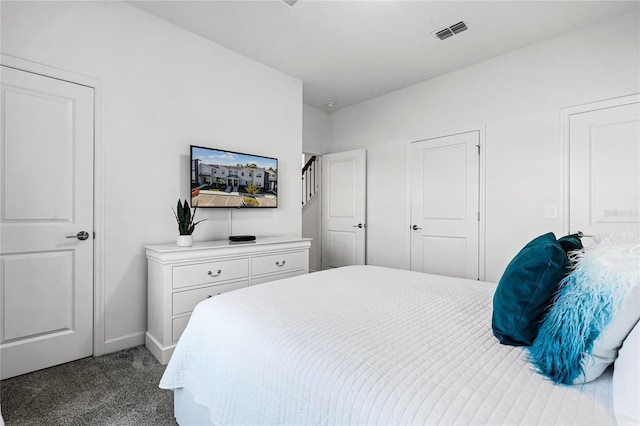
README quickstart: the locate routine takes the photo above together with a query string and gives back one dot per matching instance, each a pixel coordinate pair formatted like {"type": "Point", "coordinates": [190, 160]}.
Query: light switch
{"type": "Point", "coordinates": [551, 211]}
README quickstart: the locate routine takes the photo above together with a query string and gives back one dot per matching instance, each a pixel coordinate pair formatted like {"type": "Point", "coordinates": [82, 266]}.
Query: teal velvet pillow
{"type": "Point", "coordinates": [526, 288]}
{"type": "Point", "coordinates": [570, 243]}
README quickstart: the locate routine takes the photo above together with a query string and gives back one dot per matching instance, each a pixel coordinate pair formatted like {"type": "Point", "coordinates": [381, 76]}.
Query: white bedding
{"type": "Point", "coordinates": [367, 345]}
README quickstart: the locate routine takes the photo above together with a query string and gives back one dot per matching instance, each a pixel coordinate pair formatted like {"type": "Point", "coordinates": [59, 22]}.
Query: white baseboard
{"type": "Point", "coordinates": [162, 353]}
{"type": "Point", "coordinates": [124, 342]}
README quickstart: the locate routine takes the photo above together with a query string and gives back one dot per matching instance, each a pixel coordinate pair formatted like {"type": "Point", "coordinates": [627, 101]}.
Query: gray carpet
{"type": "Point", "coordinates": [115, 389]}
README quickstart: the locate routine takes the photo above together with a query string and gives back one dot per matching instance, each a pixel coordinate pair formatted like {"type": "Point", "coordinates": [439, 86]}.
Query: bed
{"type": "Point", "coordinates": [365, 345]}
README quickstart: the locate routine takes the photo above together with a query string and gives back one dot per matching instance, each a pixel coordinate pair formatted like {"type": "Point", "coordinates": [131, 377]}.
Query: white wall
{"type": "Point", "coordinates": [517, 97]}
{"type": "Point", "coordinates": [315, 130]}
{"type": "Point", "coordinates": [311, 228]}
{"type": "Point", "coordinates": [164, 89]}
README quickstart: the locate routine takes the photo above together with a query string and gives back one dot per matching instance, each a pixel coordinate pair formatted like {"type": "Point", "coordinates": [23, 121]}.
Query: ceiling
{"type": "Point", "coordinates": [348, 51]}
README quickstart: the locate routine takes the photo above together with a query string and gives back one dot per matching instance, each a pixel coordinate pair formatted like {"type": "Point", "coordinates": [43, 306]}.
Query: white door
{"type": "Point", "coordinates": [344, 208]}
{"type": "Point", "coordinates": [604, 167]}
{"type": "Point", "coordinates": [46, 193]}
{"type": "Point", "coordinates": [444, 182]}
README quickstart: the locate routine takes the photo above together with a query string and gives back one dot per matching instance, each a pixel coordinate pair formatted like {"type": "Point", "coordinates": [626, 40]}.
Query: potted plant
{"type": "Point", "coordinates": [186, 225]}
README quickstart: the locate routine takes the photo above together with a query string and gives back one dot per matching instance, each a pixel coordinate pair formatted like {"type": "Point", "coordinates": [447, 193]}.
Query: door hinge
{"type": "Point", "coordinates": [478, 216]}
{"type": "Point", "coordinates": [478, 146]}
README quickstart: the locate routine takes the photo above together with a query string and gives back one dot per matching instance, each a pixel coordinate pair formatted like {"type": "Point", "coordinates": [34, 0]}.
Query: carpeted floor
{"type": "Point", "coordinates": [115, 389]}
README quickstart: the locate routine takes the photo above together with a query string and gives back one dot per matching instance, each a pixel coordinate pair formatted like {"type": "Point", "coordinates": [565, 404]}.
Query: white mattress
{"type": "Point", "coordinates": [367, 345]}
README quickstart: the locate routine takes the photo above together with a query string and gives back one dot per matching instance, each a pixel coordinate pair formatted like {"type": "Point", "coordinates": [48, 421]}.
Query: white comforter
{"type": "Point", "coordinates": [367, 345]}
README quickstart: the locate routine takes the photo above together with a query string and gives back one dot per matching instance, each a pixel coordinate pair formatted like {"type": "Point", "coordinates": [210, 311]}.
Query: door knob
{"type": "Point", "coordinates": [358, 226]}
{"type": "Point", "coordinates": [583, 235]}
{"type": "Point", "coordinates": [82, 235]}
{"type": "Point", "coordinates": [415, 227]}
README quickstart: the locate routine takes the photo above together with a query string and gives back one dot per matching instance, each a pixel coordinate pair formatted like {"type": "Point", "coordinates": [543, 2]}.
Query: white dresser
{"type": "Point", "coordinates": [180, 277]}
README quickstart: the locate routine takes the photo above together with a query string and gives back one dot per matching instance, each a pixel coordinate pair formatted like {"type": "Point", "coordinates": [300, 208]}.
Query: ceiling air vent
{"type": "Point", "coordinates": [451, 31]}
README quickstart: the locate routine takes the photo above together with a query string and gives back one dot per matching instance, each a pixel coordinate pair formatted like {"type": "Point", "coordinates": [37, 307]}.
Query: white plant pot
{"type": "Point", "coordinates": [185, 240]}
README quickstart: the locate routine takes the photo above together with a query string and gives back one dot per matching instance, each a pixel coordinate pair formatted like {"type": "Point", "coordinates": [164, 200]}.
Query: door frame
{"type": "Point", "coordinates": [481, 129]}
{"type": "Point", "coordinates": [98, 182]}
{"type": "Point", "coordinates": [565, 135]}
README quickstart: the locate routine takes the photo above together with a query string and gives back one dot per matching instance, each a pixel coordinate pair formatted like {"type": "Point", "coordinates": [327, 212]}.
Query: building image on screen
{"type": "Point", "coordinates": [228, 179]}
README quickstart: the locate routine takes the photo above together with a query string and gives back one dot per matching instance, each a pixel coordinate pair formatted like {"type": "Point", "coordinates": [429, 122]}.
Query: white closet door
{"type": "Point", "coordinates": [444, 181]}
{"type": "Point", "coordinates": [46, 184]}
{"type": "Point", "coordinates": [344, 209]}
{"type": "Point", "coordinates": [604, 167]}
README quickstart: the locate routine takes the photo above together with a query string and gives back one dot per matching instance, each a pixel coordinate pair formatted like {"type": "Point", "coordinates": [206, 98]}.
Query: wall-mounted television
{"type": "Point", "coordinates": [229, 179]}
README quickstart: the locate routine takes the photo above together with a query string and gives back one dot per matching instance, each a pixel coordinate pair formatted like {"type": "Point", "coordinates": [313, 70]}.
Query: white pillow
{"type": "Point", "coordinates": [626, 380]}
{"type": "Point", "coordinates": [606, 346]}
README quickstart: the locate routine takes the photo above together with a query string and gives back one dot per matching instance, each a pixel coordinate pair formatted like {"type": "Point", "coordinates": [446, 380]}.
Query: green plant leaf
{"type": "Point", "coordinates": [180, 212]}
{"type": "Point", "coordinates": [187, 213]}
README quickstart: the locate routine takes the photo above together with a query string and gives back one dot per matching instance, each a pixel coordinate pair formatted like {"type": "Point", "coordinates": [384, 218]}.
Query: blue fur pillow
{"type": "Point", "coordinates": [525, 290]}
{"type": "Point", "coordinates": [595, 308]}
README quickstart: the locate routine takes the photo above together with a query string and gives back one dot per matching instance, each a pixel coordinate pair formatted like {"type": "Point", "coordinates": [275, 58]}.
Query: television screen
{"type": "Point", "coordinates": [221, 178]}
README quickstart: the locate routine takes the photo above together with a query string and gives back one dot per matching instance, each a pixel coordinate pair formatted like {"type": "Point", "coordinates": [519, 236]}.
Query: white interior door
{"type": "Point", "coordinates": [444, 182]}
{"type": "Point", "coordinates": [344, 209]}
{"type": "Point", "coordinates": [46, 193]}
{"type": "Point", "coordinates": [604, 167]}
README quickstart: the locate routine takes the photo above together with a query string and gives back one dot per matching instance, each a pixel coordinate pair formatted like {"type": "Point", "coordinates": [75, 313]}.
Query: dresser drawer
{"type": "Point", "coordinates": [268, 278]}
{"type": "Point", "coordinates": [178, 326]}
{"type": "Point", "coordinates": [210, 272]}
{"type": "Point", "coordinates": [278, 262]}
{"type": "Point", "coordinates": [185, 301]}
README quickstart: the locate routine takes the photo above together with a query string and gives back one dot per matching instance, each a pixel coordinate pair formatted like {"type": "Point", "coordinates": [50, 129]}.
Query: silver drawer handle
{"type": "Point", "coordinates": [280, 265]}
{"type": "Point", "coordinates": [217, 274]}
